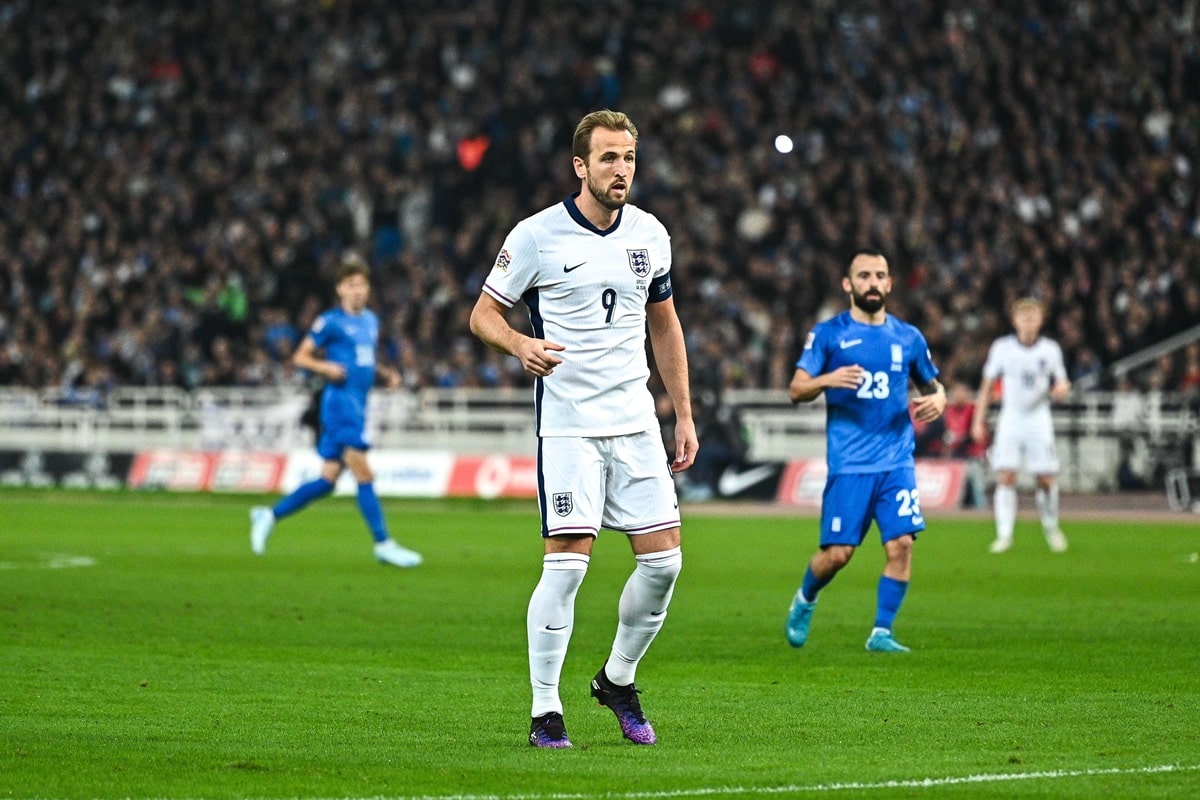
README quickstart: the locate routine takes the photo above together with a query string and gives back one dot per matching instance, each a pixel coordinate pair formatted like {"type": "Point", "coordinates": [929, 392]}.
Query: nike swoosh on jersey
{"type": "Point", "coordinates": [849, 343]}
{"type": "Point", "coordinates": [733, 482]}
{"type": "Point", "coordinates": [572, 269]}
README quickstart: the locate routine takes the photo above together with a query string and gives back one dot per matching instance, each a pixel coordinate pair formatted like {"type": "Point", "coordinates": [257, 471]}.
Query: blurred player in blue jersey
{"type": "Point", "coordinates": [863, 360]}
{"type": "Point", "coordinates": [348, 336]}
{"type": "Point", "coordinates": [595, 274]}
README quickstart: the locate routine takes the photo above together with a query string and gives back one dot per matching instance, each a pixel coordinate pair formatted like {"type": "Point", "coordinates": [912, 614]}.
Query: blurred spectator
{"type": "Point", "coordinates": [950, 435]}
{"type": "Point", "coordinates": [1189, 381]}
{"type": "Point", "coordinates": [175, 173]}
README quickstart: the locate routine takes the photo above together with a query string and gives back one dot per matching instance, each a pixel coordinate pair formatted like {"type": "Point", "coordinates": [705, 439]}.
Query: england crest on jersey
{"type": "Point", "coordinates": [563, 504]}
{"type": "Point", "coordinates": [639, 262]}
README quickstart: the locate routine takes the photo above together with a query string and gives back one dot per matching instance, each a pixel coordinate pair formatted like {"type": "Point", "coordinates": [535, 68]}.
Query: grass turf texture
{"type": "Point", "coordinates": [178, 665]}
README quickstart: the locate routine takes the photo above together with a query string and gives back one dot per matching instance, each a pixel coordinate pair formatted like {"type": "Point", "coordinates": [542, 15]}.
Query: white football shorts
{"type": "Point", "coordinates": [1023, 442]}
{"type": "Point", "coordinates": [622, 483]}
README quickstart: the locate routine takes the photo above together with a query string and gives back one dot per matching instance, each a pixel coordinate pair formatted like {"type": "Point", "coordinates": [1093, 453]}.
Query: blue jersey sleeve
{"type": "Point", "coordinates": [815, 355]}
{"type": "Point", "coordinates": [923, 368]}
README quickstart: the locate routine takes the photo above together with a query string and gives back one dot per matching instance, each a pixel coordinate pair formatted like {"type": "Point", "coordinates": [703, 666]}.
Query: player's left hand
{"type": "Point", "coordinates": [686, 445]}
{"type": "Point", "coordinates": [928, 407]}
{"type": "Point", "coordinates": [391, 376]}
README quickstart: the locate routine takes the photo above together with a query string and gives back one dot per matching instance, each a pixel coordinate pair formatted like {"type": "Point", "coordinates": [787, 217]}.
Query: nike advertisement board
{"type": "Point", "coordinates": [740, 481]}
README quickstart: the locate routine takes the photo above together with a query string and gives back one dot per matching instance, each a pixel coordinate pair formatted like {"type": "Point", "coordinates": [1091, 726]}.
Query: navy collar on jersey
{"type": "Point", "coordinates": [578, 216]}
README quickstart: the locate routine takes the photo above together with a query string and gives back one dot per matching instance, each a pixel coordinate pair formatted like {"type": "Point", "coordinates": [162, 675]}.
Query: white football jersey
{"type": "Point", "coordinates": [1027, 374]}
{"type": "Point", "coordinates": [587, 290]}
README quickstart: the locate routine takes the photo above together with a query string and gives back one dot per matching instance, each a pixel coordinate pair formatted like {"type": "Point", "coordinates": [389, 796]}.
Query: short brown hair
{"type": "Point", "coordinates": [608, 119]}
{"type": "Point", "coordinates": [353, 264]}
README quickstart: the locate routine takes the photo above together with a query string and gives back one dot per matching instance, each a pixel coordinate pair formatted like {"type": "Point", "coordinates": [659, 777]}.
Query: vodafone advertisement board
{"type": "Point", "coordinates": [494, 476]}
{"type": "Point", "coordinates": [940, 483]}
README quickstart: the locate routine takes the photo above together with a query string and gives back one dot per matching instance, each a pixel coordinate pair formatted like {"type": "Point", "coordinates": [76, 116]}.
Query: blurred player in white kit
{"type": "Point", "coordinates": [1032, 375]}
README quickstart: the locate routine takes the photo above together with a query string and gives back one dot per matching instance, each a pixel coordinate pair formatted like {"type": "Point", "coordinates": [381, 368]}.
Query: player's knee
{"type": "Point", "coordinates": [838, 556]}
{"type": "Point", "coordinates": [899, 548]}
{"type": "Point", "coordinates": [661, 569]}
{"type": "Point", "coordinates": [566, 570]}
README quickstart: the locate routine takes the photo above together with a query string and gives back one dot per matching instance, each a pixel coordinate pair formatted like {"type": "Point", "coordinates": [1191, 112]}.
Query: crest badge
{"type": "Point", "coordinates": [639, 262]}
{"type": "Point", "coordinates": [563, 503]}
{"type": "Point", "coordinates": [503, 260]}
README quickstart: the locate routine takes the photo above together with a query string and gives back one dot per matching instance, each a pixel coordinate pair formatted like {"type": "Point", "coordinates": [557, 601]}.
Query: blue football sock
{"type": "Point", "coordinates": [305, 494]}
{"type": "Point", "coordinates": [372, 512]}
{"type": "Point", "coordinates": [891, 595]}
{"type": "Point", "coordinates": [812, 584]}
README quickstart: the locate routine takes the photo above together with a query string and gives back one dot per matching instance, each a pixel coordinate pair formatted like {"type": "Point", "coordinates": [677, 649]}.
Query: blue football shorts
{"type": "Point", "coordinates": [339, 434]}
{"type": "Point", "coordinates": [851, 502]}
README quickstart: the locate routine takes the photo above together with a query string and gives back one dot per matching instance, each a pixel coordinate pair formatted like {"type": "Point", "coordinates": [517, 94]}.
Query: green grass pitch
{"type": "Point", "coordinates": [145, 653]}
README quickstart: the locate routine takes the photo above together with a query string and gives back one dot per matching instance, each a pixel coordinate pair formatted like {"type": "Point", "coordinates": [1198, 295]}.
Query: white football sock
{"type": "Point", "coordinates": [1047, 505]}
{"type": "Point", "coordinates": [1005, 507]}
{"type": "Point", "coordinates": [549, 622]}
{"type": "Point", "coordinates": [641, 612]}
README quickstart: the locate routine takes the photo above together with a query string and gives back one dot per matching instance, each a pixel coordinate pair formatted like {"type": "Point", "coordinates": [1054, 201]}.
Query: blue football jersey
{"type": "Point", "coordinates": [869, 429]}
{"type": "Point", "coordinates": [349, 340]}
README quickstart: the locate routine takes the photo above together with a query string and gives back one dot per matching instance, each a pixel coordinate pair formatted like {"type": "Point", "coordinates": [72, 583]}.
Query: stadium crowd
{"type": "Point", "coordinates": [179, 180]}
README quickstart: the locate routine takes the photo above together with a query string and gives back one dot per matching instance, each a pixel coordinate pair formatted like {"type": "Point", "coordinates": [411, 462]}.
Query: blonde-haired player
{"type": "Point", "coordinates": [1033, 375]}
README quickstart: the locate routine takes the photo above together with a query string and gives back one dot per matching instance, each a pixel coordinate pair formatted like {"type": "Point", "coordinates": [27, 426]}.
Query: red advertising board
{"type": "Point", "coordinates": [198, 470]}
{"type": "Point", "coordinates": [493, 476]}
{"type": "Point", "coordinates": [246, 472]}
{"type": "Point", "coordinates": [179, 470]}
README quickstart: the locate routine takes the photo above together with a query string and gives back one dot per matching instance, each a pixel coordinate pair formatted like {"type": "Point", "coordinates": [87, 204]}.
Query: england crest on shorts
{"type": "Point", "coordinates": [563, 504]}
{"type": "Point", "coordinates": [639, 262]}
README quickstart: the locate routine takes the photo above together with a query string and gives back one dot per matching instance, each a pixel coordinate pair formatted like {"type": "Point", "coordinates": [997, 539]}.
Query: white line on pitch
{"type": "Point", "coordinates": [716, 791]}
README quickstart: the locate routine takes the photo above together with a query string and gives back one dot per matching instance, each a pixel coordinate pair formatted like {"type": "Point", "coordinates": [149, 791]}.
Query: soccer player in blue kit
{"type": "Point", "coordinates": [349, 337]}
{"type": "Point", "coordinates": [863, 360]}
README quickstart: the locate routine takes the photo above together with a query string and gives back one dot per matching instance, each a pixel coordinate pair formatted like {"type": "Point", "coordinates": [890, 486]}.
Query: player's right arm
{"type": "Point", "coordinates": [805, 388]}
{"type": "Point", "coordinates": [307, 354]}
{"type": "Point", "coordinates": [306, 357]}
{"type": "Point", "coordinates": [810, 378]}
{"type": "Point", "coordinates": [489, 323]}
{"type": "Point", "coordinates": [1060, 384]}
{"type": "Point", "coordinates": [982, 400]}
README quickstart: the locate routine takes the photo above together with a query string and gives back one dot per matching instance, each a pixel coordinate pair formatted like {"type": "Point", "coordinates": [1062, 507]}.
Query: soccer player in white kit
{"type": "Point", "coordinates": [594, 273]}
{"type": "Point", "coordinates": [1033, 375]}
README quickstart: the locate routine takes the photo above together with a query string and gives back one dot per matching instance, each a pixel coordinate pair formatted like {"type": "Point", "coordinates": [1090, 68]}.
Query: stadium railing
{"type": "Point", "coordinates": [1097, 430]}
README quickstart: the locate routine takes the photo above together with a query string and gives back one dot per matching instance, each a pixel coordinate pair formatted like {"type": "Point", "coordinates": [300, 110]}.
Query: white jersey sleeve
{"type": "Point", "coordinates": [587, 290]}
{"type": "Point", "coordinates": [516, 267]}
